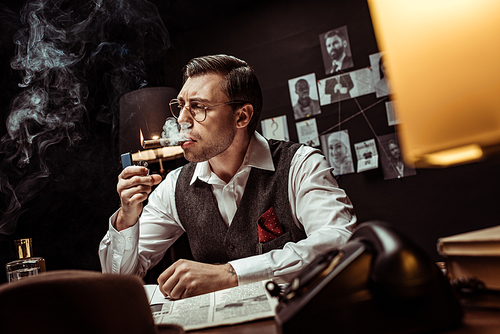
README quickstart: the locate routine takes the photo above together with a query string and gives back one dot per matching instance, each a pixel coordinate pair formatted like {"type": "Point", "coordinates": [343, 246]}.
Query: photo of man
{"type": "Point", "coordinates": [304, 96]}
{"type": "Point", "coordinates": [336, 50]}
{"type": "Point", "coordinates": [335, 89]}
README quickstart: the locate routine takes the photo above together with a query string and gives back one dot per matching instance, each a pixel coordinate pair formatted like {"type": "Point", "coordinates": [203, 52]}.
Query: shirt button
{"type": "Point", "coordinates": [230, 247]}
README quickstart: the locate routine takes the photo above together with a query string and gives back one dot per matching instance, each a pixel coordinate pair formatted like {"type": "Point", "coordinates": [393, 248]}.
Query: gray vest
{"type": "Point", "coordinates": [210, 240]}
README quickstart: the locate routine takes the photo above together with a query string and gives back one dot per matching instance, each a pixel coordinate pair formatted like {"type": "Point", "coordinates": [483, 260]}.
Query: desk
{"type": "Point", "coordinates": [474, 322]}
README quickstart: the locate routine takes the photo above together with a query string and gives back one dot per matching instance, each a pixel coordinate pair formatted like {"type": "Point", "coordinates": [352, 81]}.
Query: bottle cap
{"type": "Point", "coordinates": [24, 248]}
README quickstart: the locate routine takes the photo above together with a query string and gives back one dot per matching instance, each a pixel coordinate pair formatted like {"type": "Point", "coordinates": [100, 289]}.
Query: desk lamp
{"type": "Point", "coordinates": [442, 62]}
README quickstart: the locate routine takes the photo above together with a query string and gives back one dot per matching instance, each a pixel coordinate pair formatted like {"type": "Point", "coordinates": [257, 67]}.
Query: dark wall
{"type": "Point", "coordinates": [280, 40]}
{"type": "Point", "coordinates": [68, 217]}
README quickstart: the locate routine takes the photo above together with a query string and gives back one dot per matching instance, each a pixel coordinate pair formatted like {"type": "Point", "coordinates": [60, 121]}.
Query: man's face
{"type": "Point", "coordinates": [394, 149]}
{"type": "Point", "coordinates": [302, 90]}
{"type": "Point", "coordinates": [335, 47]}
{"type": "Point", "coordinates": [216, 133]}
{"type": "Point", "coordinates": [337, 151]}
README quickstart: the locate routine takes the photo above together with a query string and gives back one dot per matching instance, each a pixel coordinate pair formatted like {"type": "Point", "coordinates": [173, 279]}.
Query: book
{"type": "Point", "coordinates": [224, 307]}
{"type": "Point", "coordinates": [473, 254]}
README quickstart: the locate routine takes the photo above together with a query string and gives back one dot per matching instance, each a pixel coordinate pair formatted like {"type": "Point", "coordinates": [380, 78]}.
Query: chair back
{"type": "Point", "coordinates": [76, 301]}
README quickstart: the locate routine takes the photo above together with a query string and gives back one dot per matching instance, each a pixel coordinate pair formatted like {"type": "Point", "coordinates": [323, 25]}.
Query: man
{"type": "Point", "coordinates": [339, 87]}
{"type": "Point", "coordinates": [234, 179]}
{"type": "Point", "coordinates": [336, 46]}
{"type": "Point", "coordinates": [305, 106]}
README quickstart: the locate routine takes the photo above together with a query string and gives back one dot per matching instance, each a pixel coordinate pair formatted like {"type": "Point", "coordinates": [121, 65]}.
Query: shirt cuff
{"type": "Point", "coordinates": [252, 269]}
{"type": "Point", "coordinates": [124, 240]}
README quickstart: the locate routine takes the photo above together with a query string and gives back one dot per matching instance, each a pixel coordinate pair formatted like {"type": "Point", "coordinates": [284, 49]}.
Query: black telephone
{"type": "Point", "coordinates": [379, 282]}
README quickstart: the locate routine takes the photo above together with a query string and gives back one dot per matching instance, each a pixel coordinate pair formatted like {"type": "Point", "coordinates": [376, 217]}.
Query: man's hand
{"type": "Point", "coordinates": [189, 278]}
{"type": "Point", "coordinates": [134, 186]}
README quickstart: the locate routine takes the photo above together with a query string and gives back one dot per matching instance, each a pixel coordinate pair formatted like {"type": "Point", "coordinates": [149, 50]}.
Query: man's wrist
{"type": "Point", "coordinates": [122, 222]}
{"type": "Point", "coordinates": [233, 277]}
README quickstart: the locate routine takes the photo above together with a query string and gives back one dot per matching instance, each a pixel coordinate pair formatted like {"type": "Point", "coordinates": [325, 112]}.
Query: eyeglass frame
{"type": "Point", "coordinates": [205, 108]}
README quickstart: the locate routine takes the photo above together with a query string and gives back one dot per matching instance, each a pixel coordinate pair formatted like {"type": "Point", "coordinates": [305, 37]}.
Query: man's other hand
{"type": "Point", "coordinates": [187, 278]}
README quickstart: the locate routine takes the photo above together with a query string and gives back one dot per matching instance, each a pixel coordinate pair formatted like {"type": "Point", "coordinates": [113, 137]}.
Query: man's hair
{"type": "Point", "coordinates": [333, 33]}
{"type": "Point", "coordinates": [301, 82]}
{"type": "Point", "coordinates": [240, 84]}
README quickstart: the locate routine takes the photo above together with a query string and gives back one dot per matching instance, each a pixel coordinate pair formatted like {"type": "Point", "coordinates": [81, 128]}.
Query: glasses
{"type": "Point", "coordinates": [197, 110]}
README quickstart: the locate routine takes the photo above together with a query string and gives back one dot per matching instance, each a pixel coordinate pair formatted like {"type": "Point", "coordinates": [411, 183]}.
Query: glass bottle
{"type": "Point", "coordinates": [27, 264]}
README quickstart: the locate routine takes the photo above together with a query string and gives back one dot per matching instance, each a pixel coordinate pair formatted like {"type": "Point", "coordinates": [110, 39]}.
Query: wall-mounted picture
{"type": "Point", "coordinates": [335, 89]}
{"type": "Point", "coordinates": [392, 117]}
{"type": "Point", "coordinates": [337, 149]}
{"type": "Point", "coordinates": [381, 84]}
{"type": "Point", "coordinates": [304, 96]}
{"type": "Point", "coordinates": [366, 153]}
{"type": "Point", "coordinates": [275, 128]}
{"type": "Point", "coordinates": [336, 50]}
{"type": "Point", "coordinates": [345, 86]}
{"type": "Point", "coordinates": [392, 159]}
{"type": "Point", "coordinates": [308, 132]}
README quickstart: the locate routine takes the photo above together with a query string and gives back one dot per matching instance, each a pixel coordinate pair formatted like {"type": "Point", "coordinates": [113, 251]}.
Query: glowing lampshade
{"type": "Point", "coordinates": [442, 59]}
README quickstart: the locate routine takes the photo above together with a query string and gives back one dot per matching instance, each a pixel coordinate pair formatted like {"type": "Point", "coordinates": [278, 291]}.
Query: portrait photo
{"type": "Point", "coordinates": [304, 96]}
{"type": "Point", "coordinates": [380, 82]}
{"type": "Point", "coordinates": [337, 149]}
{"type": "Point", "coordinates": [336, 50]}
{"type": "Point", "coordinates": [391, 158]}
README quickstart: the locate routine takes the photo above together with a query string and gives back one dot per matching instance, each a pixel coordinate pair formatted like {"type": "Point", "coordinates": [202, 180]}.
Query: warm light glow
{"type": "Point", "coordinates": [142, 137]}
{"type": "Point", "coordinates": [446, 92]}
{"type": "Point", "coordinates": [155, 137]}
{"type": "Point", "coordinates": [455, 156]}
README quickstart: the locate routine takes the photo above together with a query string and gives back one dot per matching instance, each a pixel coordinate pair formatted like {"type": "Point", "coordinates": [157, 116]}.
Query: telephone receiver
{"type": "Point", "coordinates": [379, 282]}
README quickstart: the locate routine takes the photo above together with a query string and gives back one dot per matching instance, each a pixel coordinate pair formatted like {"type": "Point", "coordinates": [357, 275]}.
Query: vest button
{"type": "Point", "coordinates": [230, 247]}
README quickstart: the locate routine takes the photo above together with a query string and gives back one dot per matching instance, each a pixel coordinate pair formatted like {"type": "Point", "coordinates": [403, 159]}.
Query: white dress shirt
{"type": "Point", "coordinates": [319, 207]}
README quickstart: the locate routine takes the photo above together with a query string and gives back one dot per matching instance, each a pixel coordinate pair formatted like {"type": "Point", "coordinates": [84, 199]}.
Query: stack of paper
{"type": "Point", "coordinates": [473, 254]}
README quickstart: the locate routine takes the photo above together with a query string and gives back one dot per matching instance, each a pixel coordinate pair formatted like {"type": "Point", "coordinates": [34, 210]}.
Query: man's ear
{"type": "Point", "coordinates": [244, 115]}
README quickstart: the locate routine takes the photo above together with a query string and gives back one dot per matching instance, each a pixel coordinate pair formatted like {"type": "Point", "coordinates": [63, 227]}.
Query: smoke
{"type": "Point", "coordinates": [175, 132]}
{"type": "Point", "coordinates": [75, 59]}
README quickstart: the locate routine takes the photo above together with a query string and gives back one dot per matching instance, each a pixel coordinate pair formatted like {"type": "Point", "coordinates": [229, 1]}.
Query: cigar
{"type": "Point", "coordinates": [148, 144]}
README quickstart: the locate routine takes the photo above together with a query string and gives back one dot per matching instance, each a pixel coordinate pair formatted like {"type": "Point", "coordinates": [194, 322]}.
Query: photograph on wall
{"type": "Point", "coordinates": [275, 128]}
{"type": "Point", "coordinates": [335, 89]}
{"type": "Point", "coordinates": [308, 132]}
{"type": "Point", "coordinates": [345, 86]}
{"type": "Point", "coordinates": [304, 96]}
{"type": "Point", "coordinates": [336, 50]}
{"type": "Point", "coordinates": [337, 149]}
{"type": "Point", "coordinates": [391, 158]}
{"type": "Point", "coordinates": [392, 118]}
{"type": "Point", "coordinates": [378, 72]}
{"type": "Point", "coordinates": [366, 153]}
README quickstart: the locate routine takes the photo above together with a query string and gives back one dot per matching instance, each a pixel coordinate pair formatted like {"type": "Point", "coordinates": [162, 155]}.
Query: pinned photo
{"type": "Point", "coordinates": [392, 118]}
{"type": "Point", "coordinates": [304, 96]}
{"type": "Point", "coordinates": [275, 128]}
{"type": "Point", "coordinates": [337, 149]}
{"type": "Point", "coordinates": [345, 86]}
{"type": "Point", "coordinates": [336, 50]}
{"type": "Point", "coordinates": [366, 153]}
{"type": "Point", "coordinates": [381, 84]}
{"type": "Point", "coordinates": [392, 158]}
{"type": "Point", "coordinates": [308, 132]}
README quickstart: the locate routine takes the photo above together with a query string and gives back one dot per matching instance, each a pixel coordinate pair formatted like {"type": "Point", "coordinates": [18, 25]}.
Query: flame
{"type": "Point", "coordinates": [142, 138]}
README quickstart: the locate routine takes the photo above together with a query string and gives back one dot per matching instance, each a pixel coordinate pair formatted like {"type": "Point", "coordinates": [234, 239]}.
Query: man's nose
{"type": "Point", "coordinates": [185, 115]}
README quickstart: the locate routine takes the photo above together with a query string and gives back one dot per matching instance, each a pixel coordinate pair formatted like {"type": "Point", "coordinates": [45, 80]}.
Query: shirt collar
{"type": "Point", "coordinates": [258, 155]}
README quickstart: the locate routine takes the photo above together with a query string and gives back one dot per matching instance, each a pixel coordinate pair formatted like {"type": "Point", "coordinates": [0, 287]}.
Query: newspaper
{"type": "Point", "coordinates": [225, 307]}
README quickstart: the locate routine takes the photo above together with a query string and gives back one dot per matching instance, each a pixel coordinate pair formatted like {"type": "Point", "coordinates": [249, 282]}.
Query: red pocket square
{"type": "Point", "coordinates": [268, 226]}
